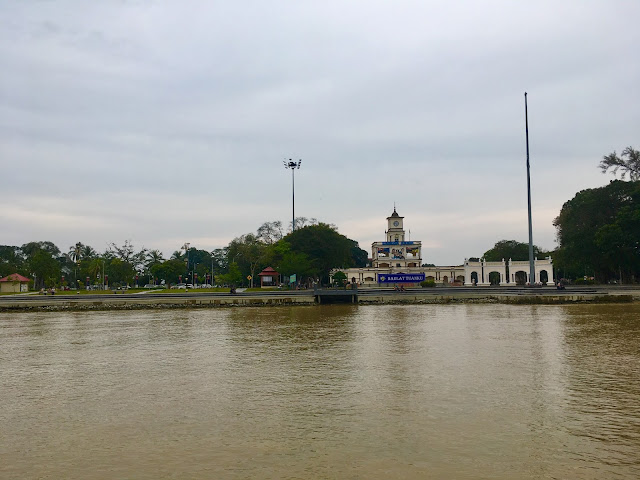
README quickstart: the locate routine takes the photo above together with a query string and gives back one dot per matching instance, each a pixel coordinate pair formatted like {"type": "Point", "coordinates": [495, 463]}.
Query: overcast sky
{"type": "Point", "coordinates": [165, 122]}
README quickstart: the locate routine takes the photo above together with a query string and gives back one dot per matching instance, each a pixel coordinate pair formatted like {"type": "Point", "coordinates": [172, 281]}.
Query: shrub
{"type": "Point", "coordinates": [339, 279]}
{"type": "Point", "coordinates": [428, 284]}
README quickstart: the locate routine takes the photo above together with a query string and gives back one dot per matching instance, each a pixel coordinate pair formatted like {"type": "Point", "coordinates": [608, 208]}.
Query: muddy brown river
{"type": "Point", "coordinates": [335, 392]}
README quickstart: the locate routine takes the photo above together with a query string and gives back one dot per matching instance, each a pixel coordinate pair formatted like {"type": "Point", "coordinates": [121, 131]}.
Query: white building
{"type": "Point", "coordinates": [396, 251]}
{"type": "Point", "coordinates": [398, 260]}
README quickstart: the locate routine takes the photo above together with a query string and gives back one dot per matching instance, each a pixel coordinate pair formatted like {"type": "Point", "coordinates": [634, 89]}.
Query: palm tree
{"type": "Point", "coordinates": [154, 257]}
{"type": "Point", "coordinates": [75, 254]}
{"type": "Point", "coordinates": [95, 267]}
{"type": "Point", "coordinates": [88, 252]}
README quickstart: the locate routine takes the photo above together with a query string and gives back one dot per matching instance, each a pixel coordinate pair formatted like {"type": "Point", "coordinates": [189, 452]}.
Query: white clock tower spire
{"type": "Point", "coordinates": [395, 229]}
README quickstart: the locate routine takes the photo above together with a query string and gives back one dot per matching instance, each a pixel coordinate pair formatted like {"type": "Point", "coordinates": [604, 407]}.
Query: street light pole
{"type": "Point", "coordinates": [293, 165]}
{"type": "Point", "coordinates": [532, 272]}
{"type": "Point", "coordinates": [186, 252]}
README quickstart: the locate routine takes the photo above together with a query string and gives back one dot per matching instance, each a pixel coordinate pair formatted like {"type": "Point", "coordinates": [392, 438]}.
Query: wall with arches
{"type": "Point", "coordinates": [477, 273]}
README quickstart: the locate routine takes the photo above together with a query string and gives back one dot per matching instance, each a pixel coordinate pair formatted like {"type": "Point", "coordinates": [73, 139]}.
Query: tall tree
{"type": "Point", "coordinates": [154, 257]}
{"type": "Point", "coordinates": [128, 255]}
{"type": "Point", "coordinates": [510, 249]}
{"type": "Point", "coordinates": [232, 277]}
{"type": "Point", "coordinates": [219, 258]}
{"type": "Point", "coordinates": [45, 267]}
{"type": "Point", "coordinates": [12, 260]}
{"type": "Point", "coordinates": [95, 267]}
{"type": "Point", "coordinates": [248, 251]}
{"type": "Point", "coordinates": [75, 252]}
{"type": "Point", "coordinates": [628, 163]}
{"type": "Point", "coordinates": [32, 247]}
{"type": "Point", "coordinates": [270, 232]}
{"type": "Point", "coordinates": [289, 262]}
{"type": "Point", "coordinates": [88, 252]}
{"type": "Point", "coordinates": [598, 232]}
{"type": "Point", "coordinates": [168, 271]}
{"type": "Point", "coordinates": [325, 248]}
{"type": "Point", "coordinates": [302, 222]}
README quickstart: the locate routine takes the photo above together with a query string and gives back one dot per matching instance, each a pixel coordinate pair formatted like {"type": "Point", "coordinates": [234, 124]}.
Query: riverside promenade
{"type": "Point", "coordinates": [369, 296]}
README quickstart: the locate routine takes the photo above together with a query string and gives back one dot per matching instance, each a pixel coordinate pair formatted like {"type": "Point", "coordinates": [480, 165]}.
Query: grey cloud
{"type": "Point", "coordinates": [417, 102]}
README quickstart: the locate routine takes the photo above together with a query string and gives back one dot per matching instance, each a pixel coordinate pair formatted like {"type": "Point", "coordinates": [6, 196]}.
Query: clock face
{"type": "Point", "coordinates": [396, 223]}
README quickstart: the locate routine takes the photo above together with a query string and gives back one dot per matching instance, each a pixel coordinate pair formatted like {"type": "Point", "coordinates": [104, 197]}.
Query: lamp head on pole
{"type": "Point", "coordinates": [292, 164]}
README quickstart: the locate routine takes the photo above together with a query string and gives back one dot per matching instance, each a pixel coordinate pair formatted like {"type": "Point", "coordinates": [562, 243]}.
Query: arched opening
{"type": "Point", "coordinates": [383, 265]}
{"type": "Point", "coordinates": [494, 278]}
{"type": "Point", "coordinates": [368, 279]}
{"type": "Point", "coordinates": [474, 278]}
{"type": "Point", "coordinates": [445, 279]}
{"type": "Point", "coordinates": [521, 277]}
{"type": "Point", "coordinates": [412, 264]}
{"type": "Point", "coordinates": [460, 279]}
{"type": "Point", "coordinates": [544, 277]}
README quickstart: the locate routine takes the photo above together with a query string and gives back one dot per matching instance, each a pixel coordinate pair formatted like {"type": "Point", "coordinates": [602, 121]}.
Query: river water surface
{"type": "Point", "coordinates": [371, 392]}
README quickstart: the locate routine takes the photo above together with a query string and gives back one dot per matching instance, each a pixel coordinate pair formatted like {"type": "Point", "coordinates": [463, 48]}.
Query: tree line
{"type": "Point", "coordinates": [598, 236]}
{"type": "Point", "coordinates": [310, 252]}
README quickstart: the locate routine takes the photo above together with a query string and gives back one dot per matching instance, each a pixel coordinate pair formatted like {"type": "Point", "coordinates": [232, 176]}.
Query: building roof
{"type": "Point", "coordinates": [268, 271]}
{"type": "Point", "coordinates": [14, 277]}
{"type": "Point", "coordinates": [395, 214]}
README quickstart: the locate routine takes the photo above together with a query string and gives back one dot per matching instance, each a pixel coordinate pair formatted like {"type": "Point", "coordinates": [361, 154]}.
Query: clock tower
{"type": "Point", "coordinates": [396, 253]}
{"type": "Point", "coordinates": [395, 229]}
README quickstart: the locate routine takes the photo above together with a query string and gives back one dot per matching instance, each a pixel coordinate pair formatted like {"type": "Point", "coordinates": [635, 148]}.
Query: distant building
{"type": "Point", "coordinates": [14, 283]}
{"type": "Point", "coordinates": [269, 278]}
{"type": "Point", "coordinates": [396, 251]}
{"type": "Point", "coordinates": [398, 260]}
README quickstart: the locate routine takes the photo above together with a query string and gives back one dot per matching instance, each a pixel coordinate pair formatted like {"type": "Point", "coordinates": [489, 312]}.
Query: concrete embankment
{"type": "Point", "coordinates": [494, 298]}
{"type": "Point", "coordinates": [139, 301]}
{"type": "Point", "coordinates": [548, 296]}
{"type": "Point", "coordinates": [510, 295]}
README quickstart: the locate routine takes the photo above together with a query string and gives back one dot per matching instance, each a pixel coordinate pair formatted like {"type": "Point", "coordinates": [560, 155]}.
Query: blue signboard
{"type": "Point", "coordinates": [398, 243]}
{"type": "Point", "coordinates": [401, 277]}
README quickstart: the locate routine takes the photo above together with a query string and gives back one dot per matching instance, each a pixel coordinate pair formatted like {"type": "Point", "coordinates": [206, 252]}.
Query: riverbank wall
{"type": "Point", "coordinates": [546, 296]}
{"type": "Point", "coordinates": [496, 298]}
{"type": "Point", "coordinates": [137, 301]}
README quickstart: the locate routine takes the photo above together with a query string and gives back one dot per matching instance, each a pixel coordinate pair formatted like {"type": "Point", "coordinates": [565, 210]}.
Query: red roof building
{"type": "Point", "coordinates": [14, 283]}
{"type": "Point", "coordinates": [269, 277]}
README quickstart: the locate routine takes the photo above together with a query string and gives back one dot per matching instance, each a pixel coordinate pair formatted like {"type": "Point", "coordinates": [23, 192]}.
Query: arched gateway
{"type": "Point", "coordinates": [511, 272]}
{"type": "Point", "coordinates": [398, 259]}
